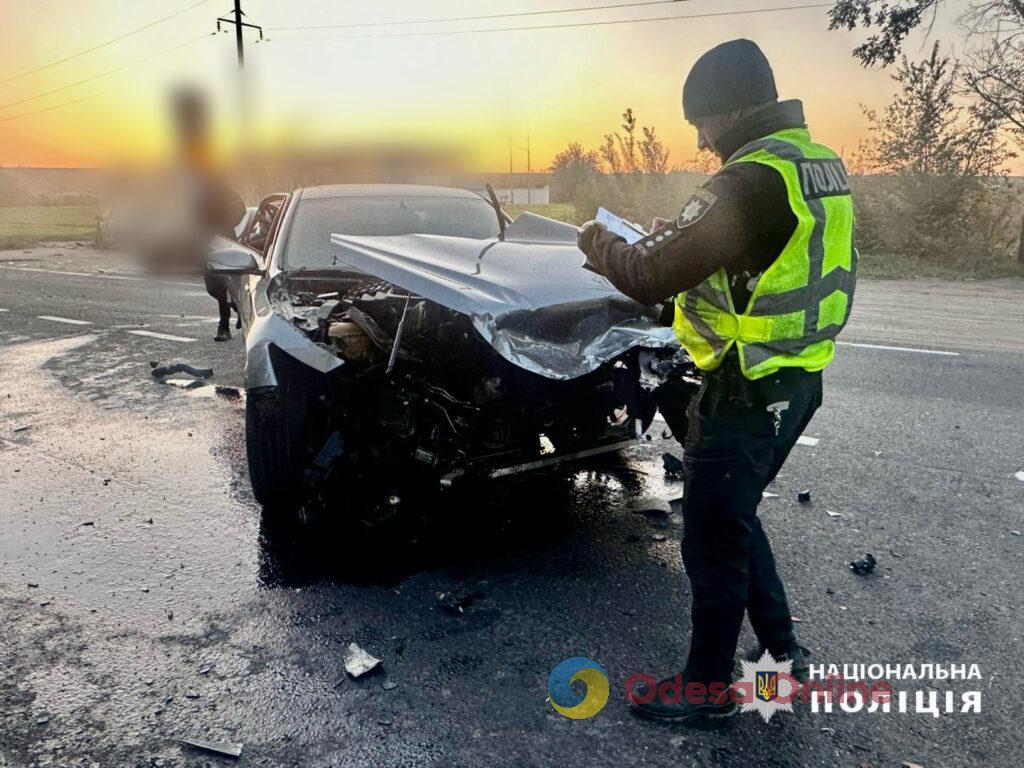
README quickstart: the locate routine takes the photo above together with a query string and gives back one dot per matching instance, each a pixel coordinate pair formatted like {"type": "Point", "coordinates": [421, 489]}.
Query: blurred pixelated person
{"type": "Point", "coordinates": [211, 207]}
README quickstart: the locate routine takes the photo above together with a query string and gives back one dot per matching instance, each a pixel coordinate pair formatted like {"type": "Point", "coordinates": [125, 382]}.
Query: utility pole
{"type": "Point", "coordinates": [239, 24]}
{"type": "Point", "coordinates": [529, 166]}
{"type": "Point", "coordinates": [243, 97]}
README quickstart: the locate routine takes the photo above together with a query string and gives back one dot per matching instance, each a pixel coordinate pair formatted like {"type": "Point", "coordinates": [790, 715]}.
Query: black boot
{"type": "Point", "coordinates": [794, 652]}
{"type": "Point", "coordinates": [223, 333]}
{"type": "Point", "coordinates": [676, 707]}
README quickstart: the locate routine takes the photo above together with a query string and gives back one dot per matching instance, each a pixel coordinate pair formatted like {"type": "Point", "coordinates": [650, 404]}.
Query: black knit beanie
{"type": "Point", "coordinates": [730, 76]}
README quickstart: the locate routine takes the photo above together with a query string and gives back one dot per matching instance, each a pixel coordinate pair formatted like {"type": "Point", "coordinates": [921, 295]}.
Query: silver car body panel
{"type": "Point", "coordinates": [528, 294]}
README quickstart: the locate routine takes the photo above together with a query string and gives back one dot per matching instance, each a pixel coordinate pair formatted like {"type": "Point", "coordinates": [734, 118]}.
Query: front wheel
{"type": "Point", "coordinates": [276, 444]}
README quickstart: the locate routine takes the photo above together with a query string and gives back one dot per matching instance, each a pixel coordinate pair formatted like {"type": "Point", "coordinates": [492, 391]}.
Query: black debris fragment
{"type": "Point", "coordinates": [673, 466]}
{"type": "Point", "coordinates": [22, 428]}
{"type": "Point", "coordinates": [804, 497]}
{"type": "Point", "coordinates": [456, 603]}
{"type": "Point", "coordinates": [223, 748]}
{"type": "Point", "coordinates": [228, 393]}
{"type": "Point", "coordinates": [169, 369]}
{"type": "Point", "coordinates": [864, 566]}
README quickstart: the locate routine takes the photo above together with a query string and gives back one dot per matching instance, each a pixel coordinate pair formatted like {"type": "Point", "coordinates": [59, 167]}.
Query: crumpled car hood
{"type": "Point", "coordinates": [527, 295]}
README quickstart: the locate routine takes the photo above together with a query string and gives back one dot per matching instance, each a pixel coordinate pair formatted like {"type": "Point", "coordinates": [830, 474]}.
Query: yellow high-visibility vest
{"type": "Point", "coordinates": [802, 301]}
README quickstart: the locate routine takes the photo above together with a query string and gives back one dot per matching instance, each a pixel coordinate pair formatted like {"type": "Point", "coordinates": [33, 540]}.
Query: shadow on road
{"type": "Point", "coordinates": [484, 527]}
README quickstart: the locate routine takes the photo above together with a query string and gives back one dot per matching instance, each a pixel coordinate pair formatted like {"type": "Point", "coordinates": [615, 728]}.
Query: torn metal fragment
{"type": "Point", "coordinates": [224, 748]}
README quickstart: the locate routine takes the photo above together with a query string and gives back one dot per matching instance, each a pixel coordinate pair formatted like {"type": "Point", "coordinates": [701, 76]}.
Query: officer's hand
{"type": "Point", "coordinates": [586, 234]}
{"type": "Point", "coordinates": [657, 223]}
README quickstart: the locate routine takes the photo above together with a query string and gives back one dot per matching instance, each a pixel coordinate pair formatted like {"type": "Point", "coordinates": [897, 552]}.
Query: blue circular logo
{"type": "Point", "coordinates": [568, 702]}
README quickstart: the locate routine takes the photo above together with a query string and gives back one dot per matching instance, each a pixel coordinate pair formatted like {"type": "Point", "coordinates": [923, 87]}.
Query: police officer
{"type": "Point", "coordinates": [760, 266]}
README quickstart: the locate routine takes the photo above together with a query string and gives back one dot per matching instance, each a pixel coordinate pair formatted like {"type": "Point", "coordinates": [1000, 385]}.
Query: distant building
{"type": "Point", "coordinates": [510, 188]}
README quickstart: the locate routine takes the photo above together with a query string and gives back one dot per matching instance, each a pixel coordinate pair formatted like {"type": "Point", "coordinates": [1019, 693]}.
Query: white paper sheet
{"type": "Point", "coordinates": [619, 226]}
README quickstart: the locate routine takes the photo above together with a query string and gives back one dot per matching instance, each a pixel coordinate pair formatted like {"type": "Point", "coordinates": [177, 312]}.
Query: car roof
{"type": "Point", "coordinates": [384, 190]}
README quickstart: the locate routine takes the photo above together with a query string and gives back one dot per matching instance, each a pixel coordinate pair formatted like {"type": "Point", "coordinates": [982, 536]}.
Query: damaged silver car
{"type": "Point", "coordinates": [398, 335]}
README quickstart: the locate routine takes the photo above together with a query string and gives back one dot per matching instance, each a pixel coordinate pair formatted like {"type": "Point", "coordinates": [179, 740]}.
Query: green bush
{"type": "Point", "coordinates": [933, 225]}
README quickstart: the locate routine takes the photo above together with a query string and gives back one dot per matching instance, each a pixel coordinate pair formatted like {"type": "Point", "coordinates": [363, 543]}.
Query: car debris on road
{"type": "Point", "coordinates": [223, 748]}
{"type": "Point", "coordinates": [358, 662]}
{"type": "Point", "coordinates": [864, 566]}
{"type": "Point", "coordinates": [673, 466]}
{"type": "Point", "coordinates": [160, 370]}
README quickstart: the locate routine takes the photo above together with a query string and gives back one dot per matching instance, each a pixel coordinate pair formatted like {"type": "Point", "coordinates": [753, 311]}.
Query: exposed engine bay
{"type": "Point", "coordinates": [422, 395]}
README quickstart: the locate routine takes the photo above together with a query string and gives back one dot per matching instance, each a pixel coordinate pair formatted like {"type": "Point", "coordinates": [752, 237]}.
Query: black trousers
{"type": "Point", "coordinates": [738, 434]}
{"type": "Point", "coordinates": [217, 287]}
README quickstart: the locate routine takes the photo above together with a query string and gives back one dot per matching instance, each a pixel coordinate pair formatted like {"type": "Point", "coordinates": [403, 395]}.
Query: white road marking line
{"type": "Point", "coordinates": [67, 320]}
{"type": "Point", "coordinates": [805, 440]}
{"type": "Point", "coordinates": [899, 349]}
{"type": "Point", "coordinates": [103, 276]}
{"type": "Point", "coordinates": [164, 336]}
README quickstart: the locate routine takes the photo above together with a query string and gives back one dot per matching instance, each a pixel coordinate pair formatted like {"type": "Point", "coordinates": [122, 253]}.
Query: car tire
{"type": "Point", "coordinates": [276, 444]}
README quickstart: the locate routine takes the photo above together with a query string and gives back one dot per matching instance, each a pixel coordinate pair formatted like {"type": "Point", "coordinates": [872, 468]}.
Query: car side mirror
{"type": "Point", "coordinates": [232, 261]}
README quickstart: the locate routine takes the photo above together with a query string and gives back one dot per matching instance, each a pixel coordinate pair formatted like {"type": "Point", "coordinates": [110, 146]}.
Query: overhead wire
{"type": "Point", "coordinates": [108, 72]}
{"type": "Point", "coordinates": [439, 20]}
{"type": "Point", "coordinates": [578, 24]}
{"type": "Point", "coordinates": [104, 44]}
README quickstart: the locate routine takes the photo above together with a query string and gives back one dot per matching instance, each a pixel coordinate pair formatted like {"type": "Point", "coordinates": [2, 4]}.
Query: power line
{"type": "Point", "coordinates": [476, 18]}
{"type": "Point", "coordinates": [105, 44]}
{"type": "Point", "coordinates": [108, 72]}
{"type": "Point", "coordinates": [55, 106]}
{"type": "Point", "coordinates": [436, 33]}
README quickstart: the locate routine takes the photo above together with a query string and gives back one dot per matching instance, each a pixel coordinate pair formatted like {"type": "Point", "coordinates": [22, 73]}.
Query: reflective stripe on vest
{"type": "Point", "coordinates": [780, 327]}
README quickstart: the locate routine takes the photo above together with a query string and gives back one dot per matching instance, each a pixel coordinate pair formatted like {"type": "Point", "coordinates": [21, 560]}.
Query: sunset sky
{"type": "Point", "coordinates": [329, 86]}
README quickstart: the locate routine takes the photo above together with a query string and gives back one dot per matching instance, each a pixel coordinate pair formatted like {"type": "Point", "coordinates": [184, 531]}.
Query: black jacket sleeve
{"type": "Point", "coordinates": [739, 220]}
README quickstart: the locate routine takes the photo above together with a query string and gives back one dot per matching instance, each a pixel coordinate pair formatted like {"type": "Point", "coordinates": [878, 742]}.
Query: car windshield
{"type": "Point", "coordinates": [309, 241]}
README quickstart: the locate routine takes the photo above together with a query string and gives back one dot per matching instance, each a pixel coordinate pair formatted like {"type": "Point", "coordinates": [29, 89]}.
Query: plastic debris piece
{"type": "Point", "coordinates": [389, 685]}
{"type": "Point", "coordinates": [358, 662]}
{"type": "Point", "coordinates": [830, 513]}
{"type": "Point", "coordinates": [796, 619]}
{"type": "Point", "coordinates": [1019, 475]}
{"type": "Point", "coordinates": [169, 369]}
{"type": "Point", "coordinates": [191, 695]}
{"type": "Point", "coordinates": [673, 466]}
{"type": "Point", "coordinates": [769, 495]}
{"type": "Point", "coordinates": [912, 765]}
{"type": "Point", "coordinates": [223, 748]}
{"type": "Point", "coordinates": [29, 426]}
{"type": "Point", "coordinates": [804, 497]}
{"type": "Point", "coordinates": [1014, 532]}
{"type": "Point", "coordinates": [650, 505]}
{"type": "Point", "coordinates": [864, 566]}
{"type": "Point", "coordinates": [659, 537]}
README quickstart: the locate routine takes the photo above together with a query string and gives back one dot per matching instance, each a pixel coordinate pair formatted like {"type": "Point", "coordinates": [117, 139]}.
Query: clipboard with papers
{"type": "Point", "coordinates": [619, 226]}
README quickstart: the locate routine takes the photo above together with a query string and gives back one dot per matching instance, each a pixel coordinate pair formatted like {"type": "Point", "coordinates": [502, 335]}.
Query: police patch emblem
{"type": "Point", "coordinates": [700, 203]}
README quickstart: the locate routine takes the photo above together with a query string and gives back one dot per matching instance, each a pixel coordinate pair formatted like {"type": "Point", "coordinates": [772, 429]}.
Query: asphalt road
{"type": "Point", "coordinates": [140, 604]}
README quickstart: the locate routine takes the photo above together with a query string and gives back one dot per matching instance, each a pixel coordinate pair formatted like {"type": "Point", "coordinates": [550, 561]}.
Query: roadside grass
{"type": "Point", "coordinates": [895, 266]}
{"type": "Point", "coordinates": [22, 226]}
